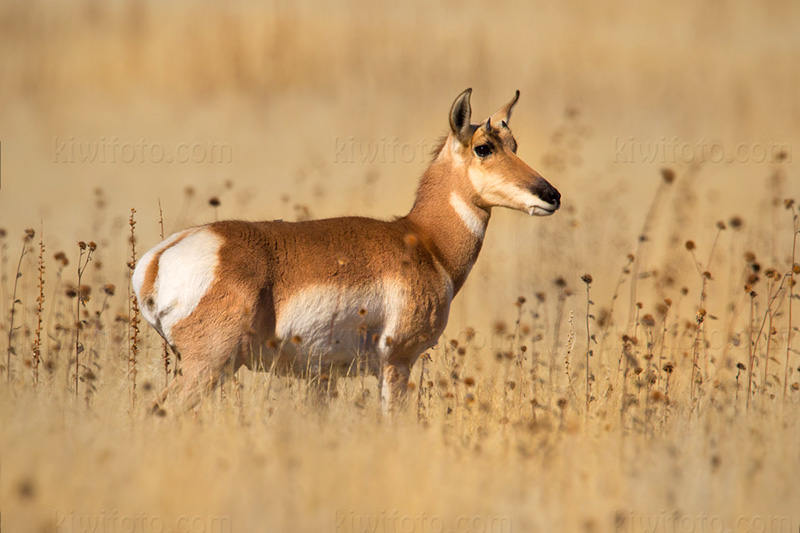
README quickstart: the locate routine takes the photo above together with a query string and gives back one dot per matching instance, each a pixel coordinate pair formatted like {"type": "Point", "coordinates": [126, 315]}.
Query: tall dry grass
{"type": "Point", "coordinates": [629, 364]}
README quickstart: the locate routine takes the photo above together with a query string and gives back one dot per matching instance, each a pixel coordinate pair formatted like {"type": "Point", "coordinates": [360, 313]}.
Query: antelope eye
{"type": "Point", "coordinates": [483, 150]}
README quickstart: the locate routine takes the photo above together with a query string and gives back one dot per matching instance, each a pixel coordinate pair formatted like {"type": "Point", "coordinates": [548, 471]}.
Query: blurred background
{"type": "Point", "coordinates": [292, 110]}
{"type": "Point", "coordinates": [672, 130]}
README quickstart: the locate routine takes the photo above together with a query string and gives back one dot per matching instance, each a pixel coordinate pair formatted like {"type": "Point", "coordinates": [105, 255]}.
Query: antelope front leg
{"type": "Point", "coordinates": [393, 385]}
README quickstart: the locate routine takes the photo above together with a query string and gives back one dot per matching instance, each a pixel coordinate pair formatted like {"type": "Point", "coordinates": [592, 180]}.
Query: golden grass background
{"type": "Point", "coordinates": [284, 87]}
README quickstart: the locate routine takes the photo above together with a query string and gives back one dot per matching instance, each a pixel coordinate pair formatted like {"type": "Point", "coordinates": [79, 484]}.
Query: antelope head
{"type": "Point", "coordinates": [487, 155]}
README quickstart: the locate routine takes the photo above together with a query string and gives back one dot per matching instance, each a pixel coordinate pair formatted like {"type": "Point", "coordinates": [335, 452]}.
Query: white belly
{"type": "Point", "coordinates": [335, 325]}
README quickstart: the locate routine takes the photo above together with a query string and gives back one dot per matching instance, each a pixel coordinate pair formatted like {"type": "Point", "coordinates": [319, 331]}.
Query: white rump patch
{"type": "Point", "coordinates": [185, 273]}
{"type": "Point", "coordinates": [140, 272]}
{"type": "Point", "coordinates": [468, 215]}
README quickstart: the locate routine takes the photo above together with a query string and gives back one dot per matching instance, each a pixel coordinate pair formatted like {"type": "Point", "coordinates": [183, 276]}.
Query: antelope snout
{"type": "Point", "coordinates": [550, 194]}
{"type": "Point", "coordinates": [549, 199]}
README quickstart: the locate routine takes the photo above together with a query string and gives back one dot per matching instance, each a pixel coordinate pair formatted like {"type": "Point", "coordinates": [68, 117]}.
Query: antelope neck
{"type": "Point", "coordinates": [448, 221]}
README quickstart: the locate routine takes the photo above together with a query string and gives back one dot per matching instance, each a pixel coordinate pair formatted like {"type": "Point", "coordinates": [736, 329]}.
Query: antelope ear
{"type": "Point", "coordinates": [460, 115]}
{"type": "Point", "coordinates": [504, 113]}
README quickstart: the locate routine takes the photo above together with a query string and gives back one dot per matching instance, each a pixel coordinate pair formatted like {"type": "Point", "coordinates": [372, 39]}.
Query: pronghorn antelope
{"type": "Point", "coordinates": [314, 297]}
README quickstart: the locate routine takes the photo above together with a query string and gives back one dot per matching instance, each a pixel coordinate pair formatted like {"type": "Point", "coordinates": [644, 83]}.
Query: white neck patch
{"type": "Point", "coordinates": [468, 216]}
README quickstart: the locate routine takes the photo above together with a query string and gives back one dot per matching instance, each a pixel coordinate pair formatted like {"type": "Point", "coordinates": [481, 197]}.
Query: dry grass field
{"type": "Point", "coordinates": [630, 364]}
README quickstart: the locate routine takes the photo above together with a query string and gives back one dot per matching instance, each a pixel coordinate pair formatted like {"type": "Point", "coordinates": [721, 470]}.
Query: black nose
{"type": "Point", "coordinates": [553, 196]}
{"type": "Point", "coordinates": [548, 193]}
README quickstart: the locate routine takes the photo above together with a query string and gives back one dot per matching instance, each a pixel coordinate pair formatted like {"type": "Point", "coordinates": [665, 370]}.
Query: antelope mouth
{"type": "Point", "coordinates": [542, 209]}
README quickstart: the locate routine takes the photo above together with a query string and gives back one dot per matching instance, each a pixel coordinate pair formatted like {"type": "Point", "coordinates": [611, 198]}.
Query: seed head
{"type": "Point", "coordinates": [668, 175]}
{"type": "Point", "coordinates": [214, 201]}
{"type": "Point", "coordinates": [690, 245]}
{"type": "Point", "coordinates": [701, 315]}
{"type": "Point", "coordinates": [587, 278]}
{"type": "Point", "coordinates": [85, 291]}
{"type": "Point", "coordinates": [657, 396]}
